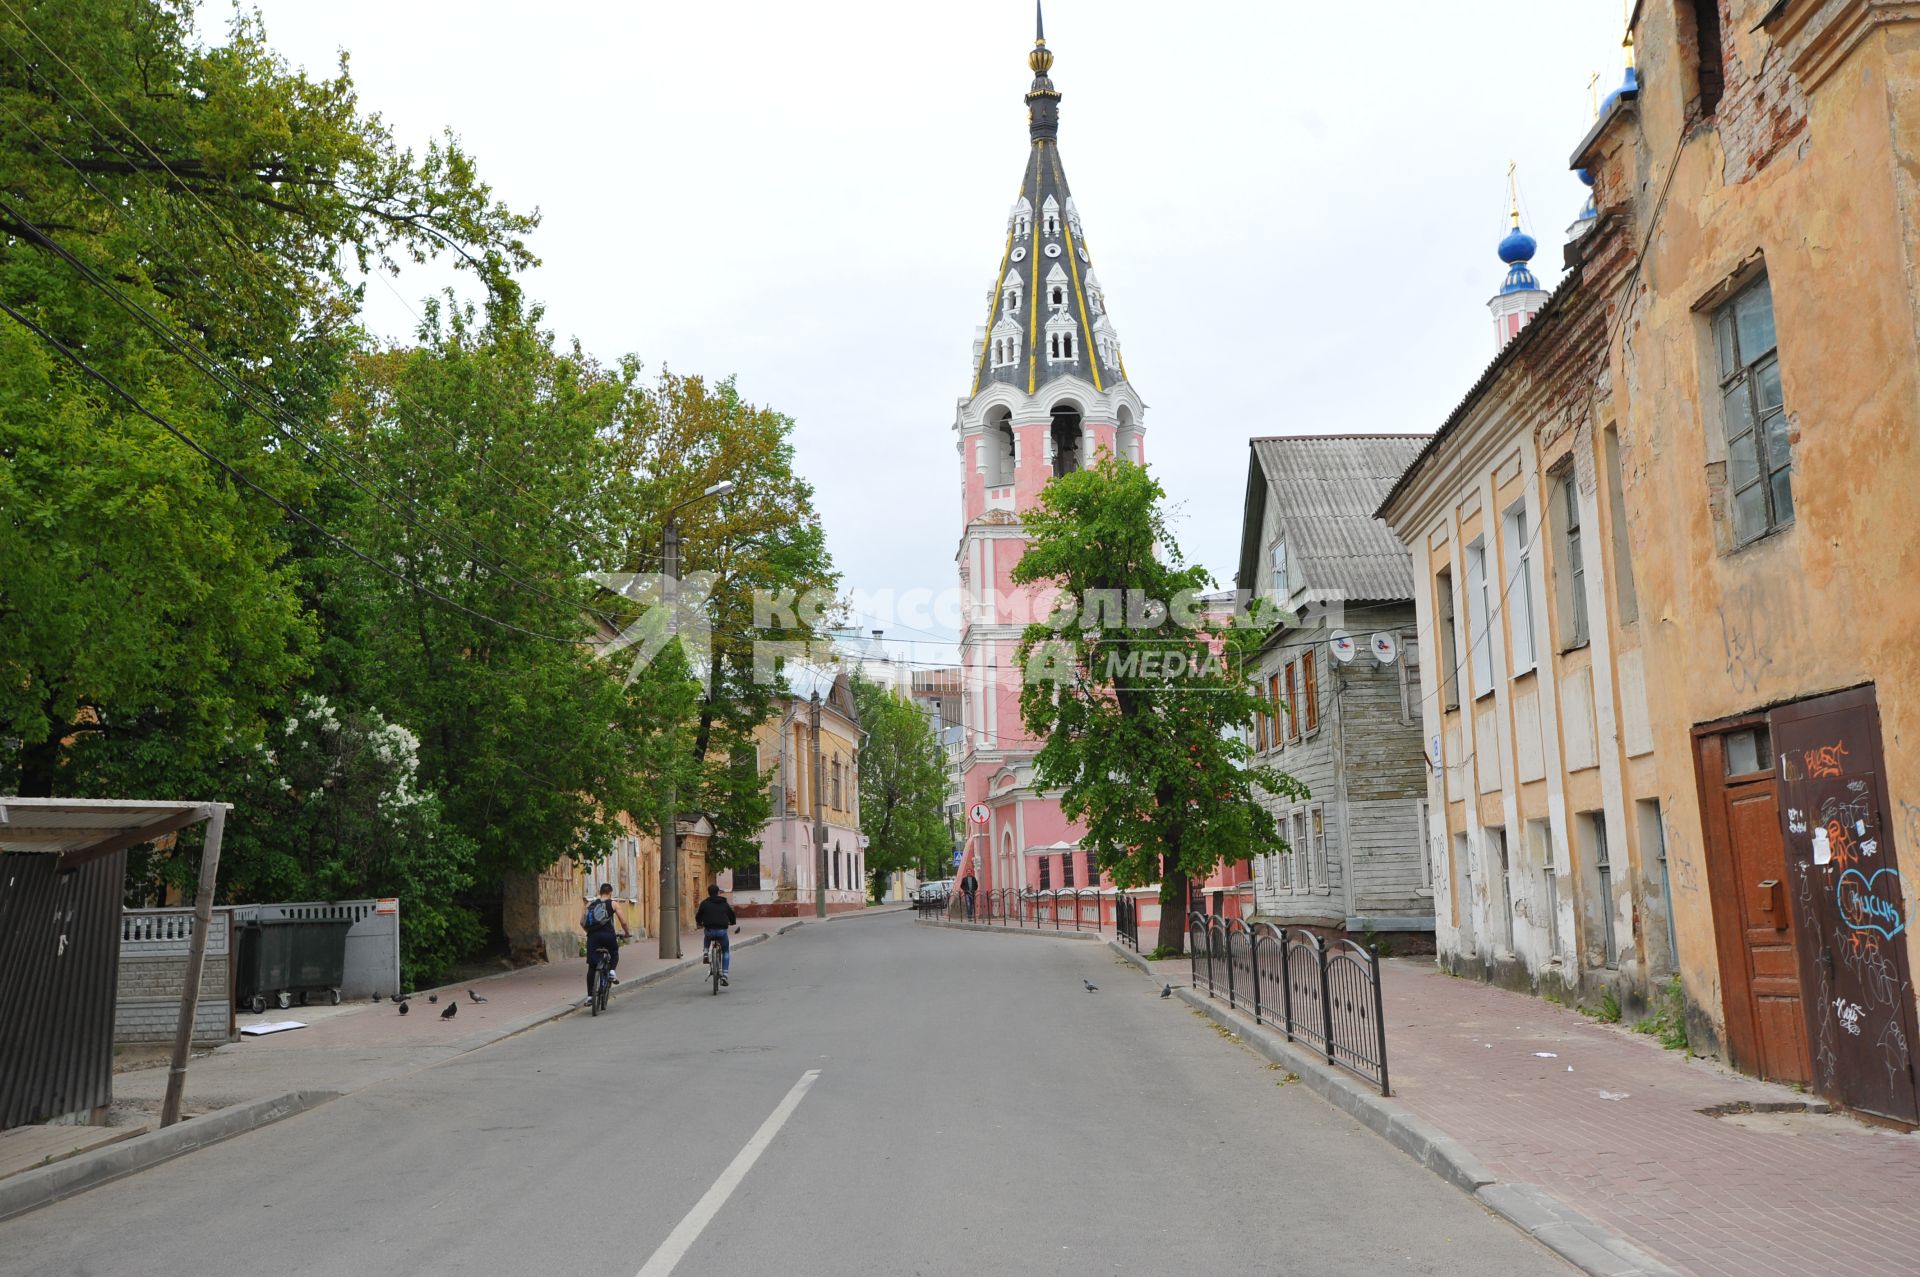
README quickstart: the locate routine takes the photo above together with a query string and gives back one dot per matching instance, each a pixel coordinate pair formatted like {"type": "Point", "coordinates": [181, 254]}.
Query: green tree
{"type": "Point", "coordinates": [1142, 715]}
{"type": "Point", "coordinates": [761, 540]}
{"type": "Point", "coordinates": [497, 441]}
{"type": "Point", "coordinates": [903, 786]}
{"type": "Point", "coordinates": [208, 202]}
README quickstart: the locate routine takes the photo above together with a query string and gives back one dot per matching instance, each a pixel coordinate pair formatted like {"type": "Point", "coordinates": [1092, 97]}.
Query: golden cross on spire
{"type": "Point", "coordinates": [1626, 41]}
{"type": "Point", "coordinates": [1513, 194]}
{"type": "Point", "coordinates": [1593, 93]}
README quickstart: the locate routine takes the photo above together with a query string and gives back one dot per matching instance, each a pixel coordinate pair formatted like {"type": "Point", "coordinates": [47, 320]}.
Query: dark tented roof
{"type": "Point", "coordinates": [1325, 489]}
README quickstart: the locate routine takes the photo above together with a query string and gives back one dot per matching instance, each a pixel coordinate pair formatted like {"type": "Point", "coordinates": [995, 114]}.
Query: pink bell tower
{"type": "Point", "coordinates": [1048, 394]}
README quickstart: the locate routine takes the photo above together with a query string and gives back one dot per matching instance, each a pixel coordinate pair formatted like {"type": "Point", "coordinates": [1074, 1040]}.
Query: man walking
{"type": "Point", "coordinates": [969, 885]}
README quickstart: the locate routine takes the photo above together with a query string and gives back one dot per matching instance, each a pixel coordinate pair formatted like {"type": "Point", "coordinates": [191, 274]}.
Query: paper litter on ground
{"type": "Point", "coordinates": [272, 1026]}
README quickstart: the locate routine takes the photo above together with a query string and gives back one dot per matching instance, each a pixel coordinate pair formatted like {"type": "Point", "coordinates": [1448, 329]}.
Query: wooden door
{"type": "Point", "coordinates": [1850, 901]}
{"type": "Point", "coordinates": [1747, 876]}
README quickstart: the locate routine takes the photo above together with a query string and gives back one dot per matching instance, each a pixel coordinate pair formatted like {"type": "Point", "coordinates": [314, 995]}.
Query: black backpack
{"type": "Point", "coordinates": [599, 915]}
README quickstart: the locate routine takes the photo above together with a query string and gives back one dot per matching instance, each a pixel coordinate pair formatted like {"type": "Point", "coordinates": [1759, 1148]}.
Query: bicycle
{"type": "Point", "coordinates": [716, 956]}
{"type": "Point", "coordinates": [602, 979]}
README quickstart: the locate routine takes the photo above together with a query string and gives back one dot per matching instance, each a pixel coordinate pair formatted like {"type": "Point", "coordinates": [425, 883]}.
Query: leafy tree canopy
{"type": "Point", "coordinates": [1142, 715]}
{"type": "Point", "coordinates": [903, 787]}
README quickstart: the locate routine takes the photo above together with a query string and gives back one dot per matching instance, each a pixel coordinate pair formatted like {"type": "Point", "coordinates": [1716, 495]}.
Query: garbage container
{"type": "Point", "coordinates": [283, 957]}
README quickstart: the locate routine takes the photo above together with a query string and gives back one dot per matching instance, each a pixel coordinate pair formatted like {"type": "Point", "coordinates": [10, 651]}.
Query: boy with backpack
{"type": "Point", "coordinates": [599, 922]}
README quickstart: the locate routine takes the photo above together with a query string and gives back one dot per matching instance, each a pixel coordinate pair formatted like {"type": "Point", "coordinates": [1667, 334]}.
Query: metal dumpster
{"type": "Point", "coordinates": [281, 958]}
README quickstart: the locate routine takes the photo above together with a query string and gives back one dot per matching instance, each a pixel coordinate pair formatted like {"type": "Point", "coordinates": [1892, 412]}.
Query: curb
{"type": "Point", "coordinates": [1014, 931]}
{"type": "Point", "coordinates": [30, 1190]}
{"type": "Point", "coordinates": [1560, 1228]}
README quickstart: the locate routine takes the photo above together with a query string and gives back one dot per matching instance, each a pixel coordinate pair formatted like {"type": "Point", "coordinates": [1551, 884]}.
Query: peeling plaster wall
{"type": "Point", "coordinates": [1811, 165]}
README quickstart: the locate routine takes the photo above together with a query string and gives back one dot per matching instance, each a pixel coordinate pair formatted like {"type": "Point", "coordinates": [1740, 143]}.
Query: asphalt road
{"type": "Point", "coordinates": [873, 1096]}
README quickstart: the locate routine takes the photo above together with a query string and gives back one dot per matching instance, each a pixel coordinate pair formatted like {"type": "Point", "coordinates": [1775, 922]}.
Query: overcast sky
{"type": "Point", "coordinates": [1293, 209]}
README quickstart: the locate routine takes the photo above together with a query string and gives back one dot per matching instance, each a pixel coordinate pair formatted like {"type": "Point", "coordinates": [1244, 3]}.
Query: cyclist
{"type": "Point", "coordinates": [713, 917]}
{"type": "Point", "coordinates": [599, 922]}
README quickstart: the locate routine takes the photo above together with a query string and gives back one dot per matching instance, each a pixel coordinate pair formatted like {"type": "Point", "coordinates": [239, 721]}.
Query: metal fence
{"type": "Point", "coordinates": [1324, 994]}
{"type": "Point", "coordinates": [1126, 921]}
{"type": "Point", "coordinates": [1060, 909]}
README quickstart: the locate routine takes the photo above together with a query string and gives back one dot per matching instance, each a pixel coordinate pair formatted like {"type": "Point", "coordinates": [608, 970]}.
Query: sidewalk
{"type": "Point", "coordinates": [353, 1046]}
{"type": "Point", "coordinates": [1613, 1126]}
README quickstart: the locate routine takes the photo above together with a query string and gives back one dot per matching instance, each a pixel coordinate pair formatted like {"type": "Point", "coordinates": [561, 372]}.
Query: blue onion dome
{"type": "Point", "coordinates": [1517, 247]}
{"type": "Point", "coordinates": [1585, 176]}
{"type": "Point", "coordinates": [1629, 85]}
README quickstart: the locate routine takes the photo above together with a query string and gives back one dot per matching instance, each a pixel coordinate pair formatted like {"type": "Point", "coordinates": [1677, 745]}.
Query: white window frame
{"type": "Point", "coordinates": [1479, 620]}
{"type": "Point", "coordinates": [1423, 821]}
{"type": "Point", "coordinates": [1525, 657]}
{"type": "Point", "coordinates": [1317, 878]}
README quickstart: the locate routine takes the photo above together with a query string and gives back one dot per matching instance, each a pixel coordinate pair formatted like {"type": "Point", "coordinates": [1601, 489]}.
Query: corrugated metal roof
{"type": "Point", "coordinates": [1324, 490]}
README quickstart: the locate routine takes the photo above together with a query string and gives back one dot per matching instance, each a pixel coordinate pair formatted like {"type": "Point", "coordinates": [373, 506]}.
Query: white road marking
{"type": "Point", "coordinates": [688, 1231]}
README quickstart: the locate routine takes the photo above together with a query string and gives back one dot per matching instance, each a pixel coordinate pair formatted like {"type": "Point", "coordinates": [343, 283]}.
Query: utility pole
{"type": "Point", "coordinates": [819, 811]}
{"type": "Point", "coordinates": [669, 820]}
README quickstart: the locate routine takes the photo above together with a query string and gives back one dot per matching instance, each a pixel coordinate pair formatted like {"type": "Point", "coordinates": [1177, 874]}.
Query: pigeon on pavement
{"type": "Point", "coordinates": [1091, 986]}
{"type": "Point", "coordinates": [1166, 991]}
{"type": "Point", "coordinates": [453, 1009]}
{"type": "Point", "coordinates": [376, 997]}
{"type": "Point", "coordinates": [433, 997]}
{"type": "Point", "coordinates": [476, 997]}
{"type": "Point", "coordinates": [403, 1008]}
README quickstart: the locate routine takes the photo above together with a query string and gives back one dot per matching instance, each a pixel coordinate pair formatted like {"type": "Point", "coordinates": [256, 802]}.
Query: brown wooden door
{"type": "Point", "coordinates": [1850, 903]}
{"type": "Point", "coordinates": [1747, 875]}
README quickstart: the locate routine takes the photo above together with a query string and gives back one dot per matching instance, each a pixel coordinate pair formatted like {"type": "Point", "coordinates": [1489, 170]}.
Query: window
{"type": "Point", "coordinates": [1603, 870]}
{"type": "Point", "coordinates": [1541, 835]}
{"type": "Point", "coordinates": [1653, 834]}
{"type": "Point", "coordinates": [1708, 72]}
{"type": "Point", "coordinates": [1461, 881]}
{"type": "Point", "coordinates": [1624, 593]}
{"type": "Point", "coordinates": [747, 879]}
{"type": "Point", "coordinates": [1066, 869]}
{"type": "Point", "coordinates": [1571, 578]}
{"type": "Point", "coordinates": [1748, 752]}
{"type": "Point", "coordinates": [1299, 856]}
{"type": "Point", "coordinates": [1309, 691]}
{"type": "Point", "coordinates": [1426, 845]}
{"type": "Point", "coordinates": [1293, 704]}
{"type": "Point", "coordinates": [1273, 719]}
{"type": "Point", "coordinates": [1759, 461]}
{"type": "Point", "coordinates": [1046, 873]}
{"type": "Point", "coordinates": [1059, 295]}
{"type": "Point", "coordinates": [1503, 883]}
{"type": "Point", "coordinates": [1449, 642]}
{"type": "Point", "coordinates": [1479, 610]}
{"type": "Point", "coordinates": [1317, 848]}
{"type": "Point", "coordinates": [1282, 586]}
{"type": "Point", "coordinates": [1093, 870]}
{"type": "Point", "coordinates": [1520, 588]}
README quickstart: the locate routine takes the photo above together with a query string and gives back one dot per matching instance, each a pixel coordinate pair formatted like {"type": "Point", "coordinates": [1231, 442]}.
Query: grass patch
{"type": "Point", "coordinates": [1164, 954]}
{"type": "Point", "coordinates": [1608, 1012]}
{"type": "Point", "coordinates": [1669, 1019]}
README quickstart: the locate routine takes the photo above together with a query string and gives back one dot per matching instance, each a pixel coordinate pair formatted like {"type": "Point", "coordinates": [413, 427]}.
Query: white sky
{"type": "Point", "coordinates": [1293, 208]}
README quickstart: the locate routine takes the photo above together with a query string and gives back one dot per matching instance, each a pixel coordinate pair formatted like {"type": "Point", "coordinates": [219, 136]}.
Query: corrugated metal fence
{"type": "Point", "coordinates": [59, 956]}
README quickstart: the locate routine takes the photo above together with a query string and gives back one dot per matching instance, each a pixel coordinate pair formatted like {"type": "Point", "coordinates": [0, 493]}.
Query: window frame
{"type": "Point", "coordinates": [1293, 703]}
{"type": "Point", "coordinates": [1446, 615]}
{"type": "Point", "coordinates": [1480, 620]}
{"type": "Point", "coordinates": [1520, 621]}
{"type": "Point", "coordinates": [1310, 691]}
{"type": "Point", "coordinates": [1046, 873]}
{"type": "Point", "coordinates": [1740, 377]}
{"type": "Point", "coordinates": [1573, 560]}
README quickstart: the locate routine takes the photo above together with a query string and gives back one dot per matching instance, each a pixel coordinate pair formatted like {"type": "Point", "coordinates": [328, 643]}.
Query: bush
{"type": "Point", "coordinates": [1668, 1022]}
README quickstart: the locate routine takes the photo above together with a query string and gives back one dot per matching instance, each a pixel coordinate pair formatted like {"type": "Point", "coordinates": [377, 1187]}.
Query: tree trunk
{"type": "Point", "coordinates": [1173, 905]}
{"type": "Point", "coordinates": [40, 765]}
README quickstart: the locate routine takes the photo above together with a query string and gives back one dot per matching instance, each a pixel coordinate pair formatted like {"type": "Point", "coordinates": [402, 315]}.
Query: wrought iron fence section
{"type": "Point", "coordinates": [1326, 995]}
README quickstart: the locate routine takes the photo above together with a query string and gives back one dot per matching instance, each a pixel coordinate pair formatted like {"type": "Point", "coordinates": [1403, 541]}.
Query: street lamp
{"type": "Point", "coordinates": [669, 832]}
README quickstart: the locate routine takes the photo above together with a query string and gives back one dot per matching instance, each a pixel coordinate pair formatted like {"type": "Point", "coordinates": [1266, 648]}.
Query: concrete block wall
{"type": "Point", "coordinates": [153, 968]}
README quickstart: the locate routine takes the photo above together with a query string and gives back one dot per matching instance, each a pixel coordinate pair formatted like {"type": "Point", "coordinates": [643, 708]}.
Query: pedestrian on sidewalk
{"type": "Point", "coordinates": [599, 922]}
{"type": "Point", "coordinates": [969, 885]}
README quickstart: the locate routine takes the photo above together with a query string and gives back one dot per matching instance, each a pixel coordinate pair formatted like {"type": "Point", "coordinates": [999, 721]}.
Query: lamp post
{"type": "Point", "coordinates": [669, 831]}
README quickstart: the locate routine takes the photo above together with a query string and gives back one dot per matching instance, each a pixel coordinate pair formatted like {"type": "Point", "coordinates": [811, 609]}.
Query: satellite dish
{"type": "Point", "coordinates": [1385, 648]}
{"type": "Point", "coordinates": [1342, 644]}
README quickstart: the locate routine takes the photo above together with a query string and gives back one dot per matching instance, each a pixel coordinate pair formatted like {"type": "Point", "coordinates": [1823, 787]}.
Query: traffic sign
{"type": "Point", "coordinates": [979, 813]}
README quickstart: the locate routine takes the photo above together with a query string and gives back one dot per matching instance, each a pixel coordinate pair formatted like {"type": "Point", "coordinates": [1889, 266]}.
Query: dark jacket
{"type": "Point", "coordinates": [714, 914]}
{"type": "Point", "coordinates": [969, 883]}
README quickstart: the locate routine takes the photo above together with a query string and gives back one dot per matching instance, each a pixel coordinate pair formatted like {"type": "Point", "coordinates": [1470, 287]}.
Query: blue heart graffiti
{"type": "Point", "coordinates": [1864, 909]}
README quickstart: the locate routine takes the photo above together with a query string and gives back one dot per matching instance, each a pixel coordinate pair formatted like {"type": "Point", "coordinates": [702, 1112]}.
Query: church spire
{"type": "Point", "coordinates": [1048, 316]}
{"type": "Point", "coordinates": [1043, 100]}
